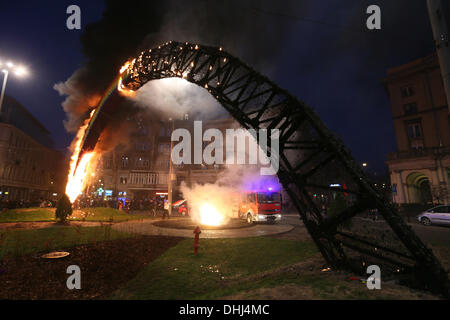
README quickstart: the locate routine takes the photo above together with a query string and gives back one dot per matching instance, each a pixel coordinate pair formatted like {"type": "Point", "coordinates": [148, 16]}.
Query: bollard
{"type": "Point", "coordinates": [197, 232]}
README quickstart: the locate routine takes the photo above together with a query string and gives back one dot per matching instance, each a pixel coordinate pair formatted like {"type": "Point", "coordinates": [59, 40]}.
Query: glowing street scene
{"type": "Point", "coordinates": [251, 151]}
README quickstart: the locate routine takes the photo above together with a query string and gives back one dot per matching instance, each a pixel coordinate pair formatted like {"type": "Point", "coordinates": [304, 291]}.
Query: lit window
{"type": "Point", "coordinates": [124, 162]}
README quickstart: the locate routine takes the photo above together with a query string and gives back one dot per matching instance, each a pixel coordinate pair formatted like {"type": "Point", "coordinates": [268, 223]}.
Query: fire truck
{"type": "Point", "coordinates": [257, 206]}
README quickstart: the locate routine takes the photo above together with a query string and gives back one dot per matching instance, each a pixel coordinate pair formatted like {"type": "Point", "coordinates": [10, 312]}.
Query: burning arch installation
{"type": "Point", "coordinates": [311, 159]}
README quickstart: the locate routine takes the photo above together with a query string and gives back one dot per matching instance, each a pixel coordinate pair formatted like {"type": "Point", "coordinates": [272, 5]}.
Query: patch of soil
{"type": "Point", "coordinates": [105, 266]}
{"type": "Point", "coordinates": [187, 223]}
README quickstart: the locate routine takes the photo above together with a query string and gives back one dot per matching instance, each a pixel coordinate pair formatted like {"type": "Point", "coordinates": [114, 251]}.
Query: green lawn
{"type": "Point", "coordinates": [178, 274]}
{"type": "Point", "coordinates": [250, 268]}
{"type": "Point", "coordinates": [108, 214]}
{"type": "Point", "coordinates": [48, 214]}
{"type": "Point", "coordinates": [17, 242]}
{"type": "Point", "coordinates": [27, 215]}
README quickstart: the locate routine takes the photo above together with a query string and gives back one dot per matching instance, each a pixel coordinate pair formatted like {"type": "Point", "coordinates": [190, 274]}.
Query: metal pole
{"type": "Point", "coordinates": [441, 39]}
{"type": "Point", "coordinates": [5, 79]}
{"type": "Point", "coordinates": [170, 187]}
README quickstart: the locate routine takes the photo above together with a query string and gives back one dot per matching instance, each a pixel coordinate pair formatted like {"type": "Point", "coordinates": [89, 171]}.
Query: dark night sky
{"type": "Point", "coordinates": [334, 64]}
{"type": "Point", "coordinates": [34, 33]}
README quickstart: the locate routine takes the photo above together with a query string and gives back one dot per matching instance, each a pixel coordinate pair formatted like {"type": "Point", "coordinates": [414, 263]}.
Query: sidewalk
{"type": "Point", "coordinates": [147, 228]}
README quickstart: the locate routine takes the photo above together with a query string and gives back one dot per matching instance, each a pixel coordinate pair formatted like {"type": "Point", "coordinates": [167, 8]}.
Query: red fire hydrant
{"type": "Point", "coordinates": [196, 239]}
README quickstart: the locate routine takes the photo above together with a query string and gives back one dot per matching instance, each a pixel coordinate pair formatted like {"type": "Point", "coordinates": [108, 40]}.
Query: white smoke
{"type": "Point", "coordinates": [176, 97]}
{"type": "Point", "coordinates": [225, 193]}
{"type": "Point", "coordinates": [219, 197]}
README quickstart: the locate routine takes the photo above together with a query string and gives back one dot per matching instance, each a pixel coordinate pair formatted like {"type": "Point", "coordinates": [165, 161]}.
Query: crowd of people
{"type": "Point", "coordinates": [154, 206]}
{"type": "Point", "coordinates": [7, 204]}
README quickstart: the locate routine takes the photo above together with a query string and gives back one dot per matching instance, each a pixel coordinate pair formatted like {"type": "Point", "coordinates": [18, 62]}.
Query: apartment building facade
{"type": "Point", "coordinates": [420, 169]}
{"type": "Point", "coordinates": [30, 169]}
{"type": "Point", "coordinates": [139, 169]}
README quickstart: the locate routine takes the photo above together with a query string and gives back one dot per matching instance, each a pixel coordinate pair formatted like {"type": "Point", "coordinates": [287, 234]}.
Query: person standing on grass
{"type": "Point", "coordinates": [165, 209]}
{"type": "Point", "coordinates": [127, 206]}
{"type": "Point", "coordinates": [152, 208]}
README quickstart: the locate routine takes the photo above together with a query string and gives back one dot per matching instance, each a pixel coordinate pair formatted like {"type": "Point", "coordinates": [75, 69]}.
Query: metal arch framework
{"type": "Point", "coordinates": [310, 155]}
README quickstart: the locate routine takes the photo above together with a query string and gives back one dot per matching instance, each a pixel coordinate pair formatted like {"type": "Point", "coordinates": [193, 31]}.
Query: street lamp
{"type": "Point", "coordinates": [6, 68]}
{"type": "Point", "coordinates": [364, 164]}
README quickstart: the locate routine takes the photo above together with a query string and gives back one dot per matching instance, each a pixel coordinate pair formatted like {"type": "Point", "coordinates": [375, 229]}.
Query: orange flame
{"type": "Point", "coordinates": [210, 215]}
{"type": "Point", "coordinates": [120, 87]}
{"type": "Point", "coordinates": [76, 178]}
{"type": "Point", "coordinates": [77, 174]}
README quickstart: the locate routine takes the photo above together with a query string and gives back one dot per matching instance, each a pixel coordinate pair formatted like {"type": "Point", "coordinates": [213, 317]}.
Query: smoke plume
{"type": "Point", "coordinates": [125, 30]}
{"type": "Point", "coordinates": [176, 97]}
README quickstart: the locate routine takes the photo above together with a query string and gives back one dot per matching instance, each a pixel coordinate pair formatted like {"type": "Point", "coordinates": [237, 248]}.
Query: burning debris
{"type": "Point", "coordinates": [79, 164]}
{"type": "Point", "coordinates": [88, 135]}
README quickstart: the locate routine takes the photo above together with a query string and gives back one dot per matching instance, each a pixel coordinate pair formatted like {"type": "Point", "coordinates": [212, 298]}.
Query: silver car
{"type": "Point", "coordinates": [436, 215]}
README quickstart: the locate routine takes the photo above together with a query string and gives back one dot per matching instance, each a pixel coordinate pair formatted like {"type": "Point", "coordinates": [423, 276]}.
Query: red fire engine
{"type": "Point", "coordinates": [258, 206]}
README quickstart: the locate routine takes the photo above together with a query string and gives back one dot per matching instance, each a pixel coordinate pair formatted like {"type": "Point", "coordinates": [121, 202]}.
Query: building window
{"type": "Point", "coordinates": [107, 163]}
{"type": "Point", "coordinates": [164, 147]}
{"type": "Point", "coordinates": [142, 163]}
{"type": "Point", "coordinates": [140, 146]}
{"type": "Point", "coordinates": [407, 92]}
{"type": "Point", "coordinates": [410, 108]}
{"type": "Point", "coordinates": [124, 162]}
{"type": "Point", "coordinates": [165, 132]}
{"type": "Point", "coordinates": [163, 164]}
{"type": "Point", "coordinates": [415, 136]}
{"type": "Point", "coordinates": [123, 180]}
{"type": "Point", "coordinates": [142, 131]}
{"type": "Point", "coordinates": [414, 131]}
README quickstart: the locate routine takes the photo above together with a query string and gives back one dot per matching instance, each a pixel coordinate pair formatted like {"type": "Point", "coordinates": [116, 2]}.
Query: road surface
{"type": "Point", "coordinates": [434, 235]}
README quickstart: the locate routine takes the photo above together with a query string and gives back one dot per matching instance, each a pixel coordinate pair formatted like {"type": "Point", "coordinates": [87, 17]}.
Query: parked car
{"type": "Point", "coordinates": [436, 215]}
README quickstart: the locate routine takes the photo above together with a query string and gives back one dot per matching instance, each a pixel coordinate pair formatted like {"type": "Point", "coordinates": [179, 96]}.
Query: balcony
{"type": "Point", "coordinates": [419, 153]}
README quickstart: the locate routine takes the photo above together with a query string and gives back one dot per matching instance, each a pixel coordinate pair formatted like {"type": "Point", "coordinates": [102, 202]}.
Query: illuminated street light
{"type": "Point", "coordinates": [6, 68]}
{"type": "Point", "coordinates": [364, 164]}
{"type": "Point", "coordinates": [20, 71]}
